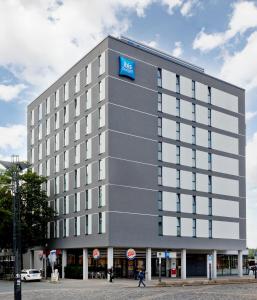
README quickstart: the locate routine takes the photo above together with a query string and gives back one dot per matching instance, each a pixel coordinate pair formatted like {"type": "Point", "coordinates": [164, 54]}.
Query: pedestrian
{"type": "Point", "coordinates": [110, 272]}
{"type": "Point", "coordinates": [141, 277]}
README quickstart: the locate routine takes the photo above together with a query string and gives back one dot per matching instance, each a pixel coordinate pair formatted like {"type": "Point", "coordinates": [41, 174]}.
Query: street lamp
{"type": "Point", "coordinates": [15, 166]}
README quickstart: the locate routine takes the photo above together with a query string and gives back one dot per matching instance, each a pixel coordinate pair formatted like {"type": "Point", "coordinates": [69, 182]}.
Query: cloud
{"type": "Point", "coordinates": [177, 51]}
{"type": "Point", "coordinates": [185, 7]}
{"type": "Point", "coordinates": [250, 115]}
{"type": "Point", "coordinates": [243, 17]}
{"type": "Point", "coordinates": [10, 92]}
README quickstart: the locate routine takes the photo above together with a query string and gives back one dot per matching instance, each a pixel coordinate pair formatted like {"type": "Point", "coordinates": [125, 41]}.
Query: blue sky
{"type": "Point", "coordinates": [37, 46]}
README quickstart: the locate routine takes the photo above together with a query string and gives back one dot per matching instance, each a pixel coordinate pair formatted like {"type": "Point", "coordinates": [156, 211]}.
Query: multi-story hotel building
{"type": "Point", "coordinates": [142, 151]}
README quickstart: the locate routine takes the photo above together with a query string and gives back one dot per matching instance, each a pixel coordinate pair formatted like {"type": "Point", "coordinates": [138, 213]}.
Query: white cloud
{"type": "Point", "coordinates": [243, 17]}
{"type": "Point", "coordinates": [13, 141]}
{"type": "Point", "coordinates": [250, 115]}
{"type": "Point", "coordinates": [177, 51]}
{"type": "Point", "coordinates": [185, 6]}
{"type": "Point", "coordinates": [9, 92]}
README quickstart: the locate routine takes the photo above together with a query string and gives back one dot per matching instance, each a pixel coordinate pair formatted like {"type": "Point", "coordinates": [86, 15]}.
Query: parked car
{"type": "Point", "coordinates": [30, 275]}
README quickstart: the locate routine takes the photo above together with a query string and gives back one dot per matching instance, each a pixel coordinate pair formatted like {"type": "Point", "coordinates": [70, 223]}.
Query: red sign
{"type": "Point", "coordinates": [131, 254]}
{"type": "Point", "coordinates": [96, 253]}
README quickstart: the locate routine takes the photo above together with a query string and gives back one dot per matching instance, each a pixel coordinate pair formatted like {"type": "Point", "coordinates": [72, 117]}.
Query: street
{"type": "Point", "coordinates": [98, 289]}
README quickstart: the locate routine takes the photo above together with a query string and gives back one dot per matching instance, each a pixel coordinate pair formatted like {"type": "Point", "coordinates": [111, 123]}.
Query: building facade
{"type": "Point", "coordinates": [142, 151]}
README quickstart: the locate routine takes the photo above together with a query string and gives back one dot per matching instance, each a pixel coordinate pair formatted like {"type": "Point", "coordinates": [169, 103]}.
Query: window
{"type": "Point", "coordinates": [178, 155]}
{"type": "Point", "coordinates": [177, 84]}
{"type": "Point", "coordinates": [159, 150]}
{"type": "Point", "coordinates": [210, 229]}
{"type": "Point", "coordinates": [101, 139]}
{"type": "Point", "coordinates": [87, 149]}
{"type": "Point", "coordinates": [209, 117]}
{"type": "Point", "coordinates": [194, 204]}
{"type": "Point", "coordinates": [66, 91]}
{"type": "Point", "coordinates": [177, 131]}
{"type": "Point", "coordinates": [56, 120]}
{"type": "Point", "coordinates": [159, 77]}
{"type": "Point", "coordinates": [86, 225]}
{"type": "Point", "coordinates": [57, 98]}
{"type": "Point", "coordinates": [178, 178]}
{"type": "Point", "coordinates": [159, 101]}
{"type": "Point", "coordinates": [47, 126]}
{"type": "Point", "coordinates": [101, 90]}
{"type": "Point", "coordinates": [40, 169]}
{"type": "Point", "coordinates": [64, 228]}
{"type": "Point", "coordinates": [32, 136]}
{"type": "Point", "coordinates": [64, 205]}
{"type": "Point", "coordinates": [40, 111]}
{"type": "Point", "coordinates": [40, 131]}
{"type": "Point", "coordinates": [56, 185]}
{"type": "Point", "coordinates": [32, 117]}
{"type": "Point", "coordinates": [209, 184]}
{"type": "Point", "coordinates": [193, 181]}
{"type": "Point", "coordinates": [77, 154]}
{"type": "Point", "coordinates": [77, 130]}
{"type": "Point", "coordinates": [75, 202]}
{"type": "Point", "coordinates": [209, 139]}
{"type": "Point", "coordinates": [77, 106]}
{"type": "Point", "coordinates": [100, 196]}
{"type": "Point", "coordinates": [56, 163]}
{"type": "Point", "coordinates": [88, 174]}
{"type": "Point", "coordinates": [178, 203]}
{"type": "Point", "coordinates": [160, 126]}
{"type": "Point", "coordinates": [47, 105]}
{"type": "Point", "coordinates": [77, 82]}
{"type": "Point", "coordinates": [193, 112]}
{"type": "Point", "coordinates": [100, 222]}
{"type": "Point", "coordinates": [101, 113]}
{"type": "Point", "coordinates": [87, 124]}
{"type": "Point", "coordinates": [193, 135]}
{"type": "Point", "coordinates": [65, 160]}
{"type": "Point", "coordinates": [177, 107]}
{"type": "Point", "coordinates": [65, 182]}
{"type": "Point", "coordinates": [194, 228]}
{"type": "Point", "coordinates": [209, 161]}
{"type": "Point", "coordinates": [40, 151]}
{"type": "Point", "coordinates": [65, 114]}
{"type": "Point", "coordinates": [101, 61]}
{"type": "Point", "coordinates": [209, 94]}
{"type": "Point", "coordinates": [159, 175]}
{"type": "Point", "coordinates": [75, 225]}
{"type": "Point", "coordinates": [178, 226]}
{"type": "Point", "coordinates": [101, 168]}
{"type": "Point", "coordinates": [160, 226]}
{"type": "Point", "coordinates": [88, 99]}
{"type": "Point", "coordinates": [193, 89]}
{"type": "Point", "coordinates": [159, 200]}
{"type": "Point", "coordinates": [193, 158]}
{"type": "Point", "coordinates": [210, 206]}
{"type": "Point", "coordinates": [56, 142]}
{"type": "Point", "coordinates": [86, 75]}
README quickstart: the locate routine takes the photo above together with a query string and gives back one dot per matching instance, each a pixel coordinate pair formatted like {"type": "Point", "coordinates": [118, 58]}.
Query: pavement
{"type": "Point", "coordinates": [127, 289]}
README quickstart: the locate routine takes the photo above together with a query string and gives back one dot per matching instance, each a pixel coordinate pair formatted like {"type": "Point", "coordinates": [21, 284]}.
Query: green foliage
{"type": "Point", "coordinates": [35, 213]}
{"type": "Point", "coordinates": [73, 271]}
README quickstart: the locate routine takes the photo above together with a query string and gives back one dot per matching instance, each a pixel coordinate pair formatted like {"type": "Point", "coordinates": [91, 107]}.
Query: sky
{"type": "Point", "coordinates": [42, 39]}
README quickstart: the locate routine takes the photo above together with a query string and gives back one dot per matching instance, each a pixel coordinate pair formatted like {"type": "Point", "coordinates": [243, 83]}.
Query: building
{"type": "Point", "coordinates": [144, 151]}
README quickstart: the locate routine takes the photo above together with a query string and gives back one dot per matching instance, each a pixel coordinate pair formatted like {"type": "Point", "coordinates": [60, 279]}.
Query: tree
{"type": "Point", "coordinates": [34, 210]}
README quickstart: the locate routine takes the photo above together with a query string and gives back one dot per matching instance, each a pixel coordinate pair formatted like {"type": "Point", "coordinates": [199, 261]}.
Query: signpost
{"type": "Point", "coordinates": [160, 255]}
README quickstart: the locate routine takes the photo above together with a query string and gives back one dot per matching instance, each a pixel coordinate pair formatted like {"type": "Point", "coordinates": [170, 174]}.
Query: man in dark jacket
{"type": "Point", "coordinates": [141, 277]}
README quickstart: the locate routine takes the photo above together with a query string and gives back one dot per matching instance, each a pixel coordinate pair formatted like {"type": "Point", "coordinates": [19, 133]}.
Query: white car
{"type": "Point", "coordinates": [30, 274]}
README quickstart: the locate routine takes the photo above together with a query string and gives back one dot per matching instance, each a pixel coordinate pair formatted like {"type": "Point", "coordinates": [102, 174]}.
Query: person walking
{"type": "Point", "coordinates": [141, 277]}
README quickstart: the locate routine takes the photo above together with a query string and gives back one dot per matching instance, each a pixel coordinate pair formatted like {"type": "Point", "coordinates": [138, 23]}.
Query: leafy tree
{"type": "Point", "coordinates": [34, 210]}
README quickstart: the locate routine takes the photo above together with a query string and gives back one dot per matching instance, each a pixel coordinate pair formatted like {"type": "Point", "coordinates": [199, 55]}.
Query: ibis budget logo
{"type": "Point", "coordinates": [127, 67]}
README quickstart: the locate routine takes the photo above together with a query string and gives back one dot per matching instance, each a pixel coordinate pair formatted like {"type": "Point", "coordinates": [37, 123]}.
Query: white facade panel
{"type": "Point", "coordinates": [224, 100]}
{"type": "Point", "coordinates": [168, 128]}
{"type": "Point", "coordinates": [169, 153]}
{"type": "Point", "coordinates": [89, 224]}
{"type": "Point", "coordinates": [169, 201]}
{"type": "Point", "coordinates": [202, 114]}
{"type": "Point", "coordinates": [201, 92]}
{"type": "Point", "coordinates": [185, 133]}
{"type": "Point", "coordinates": [225, 208]}
{"type": "Point", "coordinates": [186, 86]}
{"type": "Point", "coordinates": [185, 109]}
{"type": "Point", "coordinates": [201, 160]}
{"type": "Point", "coordinates": [224, 121]}
{"type": "Point", "coordinates": [202, 229]}
{"type": "Point", "coordinates": [185, 156]}
{"type": "Point", "coordinates": [168, 177]}
{"type": "Point", "coordinates": [186, 204]}
{"type": "Point", "coordinates": [168, 104]}
{"type": "Point", "coordinates": [201, 182]}
{"type": "Point", "coordinates": [169, 225]}
{"type": "Point", "coordinates": [168, 80]}
{"type": "Point", "coordinates": [225, 230]}
{"type": "Point", "coordinates": [201, 137]}
{"type": "Point", "coordinates": [224, 164]}
{"type": "Point", "coordinates": [225, 186]}
{"type": "Point", "coordinates": [186, 180]}
{"type": "Point", "coordinates": [224, 143]}
{"type": "Point", "coordinates": [186, 227]}
{"type": "Point", "coordinates": [202, 205]}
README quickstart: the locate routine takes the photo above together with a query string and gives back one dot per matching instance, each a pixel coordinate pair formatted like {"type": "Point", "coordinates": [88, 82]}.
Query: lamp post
{"type": "Point", "coordinates": [15, 166]}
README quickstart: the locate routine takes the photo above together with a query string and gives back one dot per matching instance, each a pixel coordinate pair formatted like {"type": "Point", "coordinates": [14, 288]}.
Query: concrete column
{"type": "Point", "coordinates": [148, 264]}
{"type": "Point", "coordinates": [183, 264]}
{"type": "Point", "coordinates": [64, 261]}
{"type": "Point", "coordinates": [109, 260]}
{"type": "Point", "coordinates": [214, 264]}
{"type": "Point", "coordinates": [240, 263]}
{"type": "Point", "coordinates": [85, 264]}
